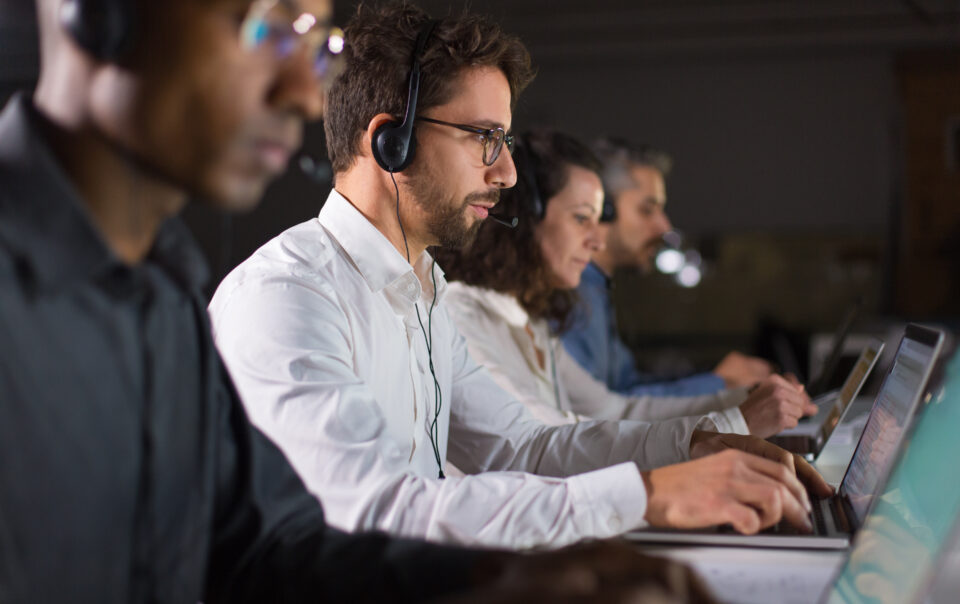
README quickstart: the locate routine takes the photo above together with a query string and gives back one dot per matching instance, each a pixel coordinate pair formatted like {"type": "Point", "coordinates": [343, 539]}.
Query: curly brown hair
{"type": "Point", "coordinates": [509, 260]}
{"type": "Point", "coordinates": [378, 55]}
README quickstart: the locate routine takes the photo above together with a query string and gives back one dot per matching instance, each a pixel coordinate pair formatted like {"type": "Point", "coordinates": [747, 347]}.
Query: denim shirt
{"type": "Point", "coordinates": [594, 342]}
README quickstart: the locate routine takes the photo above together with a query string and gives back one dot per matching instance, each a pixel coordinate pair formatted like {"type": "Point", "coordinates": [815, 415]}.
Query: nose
{"type": "Point", "coordinates": [503, 173]}
{"type": "Point", "coordinates": [665, 225]}
{"type": "Point", "coordinates": [297, 89]}
{"type": "Point", "coordinates": [595, 241]}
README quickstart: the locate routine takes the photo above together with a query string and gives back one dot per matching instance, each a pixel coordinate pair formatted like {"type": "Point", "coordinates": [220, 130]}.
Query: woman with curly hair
{"type": "Point", "coordinates": [512, 294]}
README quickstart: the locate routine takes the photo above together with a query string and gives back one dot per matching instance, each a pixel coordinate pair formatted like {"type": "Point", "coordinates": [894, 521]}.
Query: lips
{"type": "Point", "coordinates": [481, 211]}
{"type": "Point", "coordinates": [273, 155]}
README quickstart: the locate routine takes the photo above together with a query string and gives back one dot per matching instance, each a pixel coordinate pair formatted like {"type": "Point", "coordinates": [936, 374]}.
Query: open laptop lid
{"type": "Point", "coordinates": [820, 385]}
{"type": "Point", "coordinates": [851, 387]}
{"type": "Point", "coordinates": [892, 410]}
{"type": "Point", "coordinates": [909, 528]}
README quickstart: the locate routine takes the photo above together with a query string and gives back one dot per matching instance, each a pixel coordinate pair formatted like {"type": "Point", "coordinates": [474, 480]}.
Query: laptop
{"type": "Point", "coordinates": [835, 519]}
{"type": "Point", "coordinates": [910, 526]}
{"type": "Point", "coordinates": [820, 385]}
{"type": "Point", "coordinates": [808, 439]}
{"type": "Point", "coordinates": [906, 551]}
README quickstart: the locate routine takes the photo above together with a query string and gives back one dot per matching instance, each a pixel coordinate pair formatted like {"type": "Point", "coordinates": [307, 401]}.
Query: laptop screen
{"type": "Point", "coordinates": [891, 412]}
{"type": "Point", "coordinates": [852, 386]}
{"type": "Point", "coordinates": [896, 550]}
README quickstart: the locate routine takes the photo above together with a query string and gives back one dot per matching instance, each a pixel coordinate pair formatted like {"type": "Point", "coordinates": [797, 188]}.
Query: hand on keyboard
{"type": "Point", "coordinates": [775, 405]}
{"type": "Point", "coordinates": [745, 490]}
{"type": "Point", "coordinates": [706, 443]}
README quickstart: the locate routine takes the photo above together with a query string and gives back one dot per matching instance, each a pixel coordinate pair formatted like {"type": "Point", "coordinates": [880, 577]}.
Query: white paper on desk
{"type": "Point", "coordinates": [741, 577]}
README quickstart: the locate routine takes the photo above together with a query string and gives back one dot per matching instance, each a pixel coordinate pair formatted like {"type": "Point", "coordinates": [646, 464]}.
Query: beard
{"type": "Point", "coordinates": [447, 219]}
{"type": "Point", "coordinates": [626, 255]}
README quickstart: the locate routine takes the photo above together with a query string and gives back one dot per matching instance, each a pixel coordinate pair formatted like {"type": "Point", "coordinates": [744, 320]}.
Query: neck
{"type": "Point", "coordinates": [125, 203]}
{"type": "Point", "coordinates": [375, 197]}
{"type": "Point", "coordinates": [604, 261]}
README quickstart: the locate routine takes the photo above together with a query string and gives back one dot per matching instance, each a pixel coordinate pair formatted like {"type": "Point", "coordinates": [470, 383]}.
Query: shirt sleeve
{"type": "Point", "coordinates": [271, 543]}
{"type": "Point", "coordinates": [289, 350]}
{"type": "Point", "coordinates": [603, 355]}
{"type": "Point", "coordinates": [692, 385]}
{"type": "Point", "coordinates": [586, 338]}
{"type": "Point", "coordinates": [591, 398]}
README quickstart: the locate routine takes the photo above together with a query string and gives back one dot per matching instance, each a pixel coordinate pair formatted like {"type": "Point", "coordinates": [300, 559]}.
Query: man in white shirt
{"type": "Point", "coordinates": [344, 353]}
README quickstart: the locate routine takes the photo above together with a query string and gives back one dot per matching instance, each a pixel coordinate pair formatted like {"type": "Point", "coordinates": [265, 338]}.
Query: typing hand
{"type": "Point", "coordinates": [732, 487]}
{"type": "Point", "coordinates": [599, 571]}
{"type": "Point", "coordinates": [775, 405]}
{"type": "Point", "coordinates": [708, 443]}
{"type": "Point", "coordinates": [739, 370]}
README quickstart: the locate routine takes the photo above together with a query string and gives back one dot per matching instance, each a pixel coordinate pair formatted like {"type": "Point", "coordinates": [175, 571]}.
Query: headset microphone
{"type": "Point", "coordinates": [319, 170]}
{"type": "Point", "coordinates": [510, 223]}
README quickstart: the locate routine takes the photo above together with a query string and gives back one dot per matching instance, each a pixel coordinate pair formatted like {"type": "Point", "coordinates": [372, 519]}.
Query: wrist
{"type": "Point", "coordinates": [697, 437]}
{"type": "Point", "coordinates": [648, 485]}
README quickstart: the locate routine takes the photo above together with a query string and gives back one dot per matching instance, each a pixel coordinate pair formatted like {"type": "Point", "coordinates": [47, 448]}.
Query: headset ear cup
{"type": "Point", "coordinates": [392, 147]}
{"type": "Point", "coordinates": [608, 211]}
{"type": "Point", "coordinates": [386, 146]}
{"type": "Point", "coordinates": [101, 27]}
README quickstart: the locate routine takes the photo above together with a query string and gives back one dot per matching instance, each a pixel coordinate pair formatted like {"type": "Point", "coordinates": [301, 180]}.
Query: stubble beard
{"type": "Point", "coordinates": [447, 221]}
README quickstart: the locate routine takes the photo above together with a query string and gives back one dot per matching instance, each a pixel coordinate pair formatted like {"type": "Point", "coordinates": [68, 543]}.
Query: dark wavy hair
{"type": "Point", "coordinates": [509, 260]}
{"type": "Point", "coordinates": [378, 53]}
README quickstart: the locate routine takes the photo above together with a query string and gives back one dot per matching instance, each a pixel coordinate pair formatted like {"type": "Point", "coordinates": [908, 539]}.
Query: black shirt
{"type": "Point", "coordinates": [128, 469]}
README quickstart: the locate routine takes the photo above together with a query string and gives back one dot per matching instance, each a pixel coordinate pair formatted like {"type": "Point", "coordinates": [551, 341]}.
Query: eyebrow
{"type": "Point", "coordinates": [589, 206]}
{"type": "Point", "coordinates": [489, 124]}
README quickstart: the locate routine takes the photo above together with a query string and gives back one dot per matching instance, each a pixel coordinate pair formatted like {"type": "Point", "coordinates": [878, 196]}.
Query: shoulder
{"type": "Point", "coordinates": [470, 302]}
{"type": "Point", "coordinates": [301, 261]}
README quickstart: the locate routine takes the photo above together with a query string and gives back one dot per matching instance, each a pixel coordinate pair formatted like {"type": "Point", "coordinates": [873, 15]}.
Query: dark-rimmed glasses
{"type": "Point", "coordinates": [492, 138]}
{"type": "Point", "coordinates": [279, 25]}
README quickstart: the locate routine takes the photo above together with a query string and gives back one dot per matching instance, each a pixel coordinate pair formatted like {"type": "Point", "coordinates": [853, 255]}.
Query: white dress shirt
{"type": "Point", "coordinates": [502, 337]}
{"type": "Point", "coordinates": [319, 331]}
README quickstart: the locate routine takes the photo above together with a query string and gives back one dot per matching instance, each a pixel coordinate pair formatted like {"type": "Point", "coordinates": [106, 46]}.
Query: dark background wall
{"type": "Point", "coordinates": [794, 125]}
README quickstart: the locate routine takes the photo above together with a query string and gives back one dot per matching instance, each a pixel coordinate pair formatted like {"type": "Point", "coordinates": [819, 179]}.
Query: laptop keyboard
{"type": "Point", "coordinates": [817, 519]}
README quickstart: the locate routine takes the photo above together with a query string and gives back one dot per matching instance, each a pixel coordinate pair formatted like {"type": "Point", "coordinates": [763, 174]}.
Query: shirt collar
{"type": "Point", "coordinates": [593, 275]}
{"type": "Point", "coordinates": [44, 222]}
{"type": "Point", "coordinates": [505, 306]}
{"type": "Point", "coordinates": [380, 264]}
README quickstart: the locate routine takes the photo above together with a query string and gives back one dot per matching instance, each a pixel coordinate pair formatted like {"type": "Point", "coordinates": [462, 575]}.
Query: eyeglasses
{"type": "Point", "coordinates": [280, 26]}
{"type": "Point", "coordinates": [492, 138]}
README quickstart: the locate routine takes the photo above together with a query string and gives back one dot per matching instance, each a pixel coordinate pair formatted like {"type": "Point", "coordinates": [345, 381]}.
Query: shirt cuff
{"type": "Point", "coordinates": [728, 421]}
{"type": "Point", "coordinates": [732, 398]}
{"type": "Point", "coordinates": [610, 501]}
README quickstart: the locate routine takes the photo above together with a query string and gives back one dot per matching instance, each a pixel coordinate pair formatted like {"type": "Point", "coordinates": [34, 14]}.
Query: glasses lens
{"type": "Point", "coordinates": [270, 24]}
{"type": "Point", "coordinates": [329, 57]}
{"type": "Point", "coordinates": [492, 146]}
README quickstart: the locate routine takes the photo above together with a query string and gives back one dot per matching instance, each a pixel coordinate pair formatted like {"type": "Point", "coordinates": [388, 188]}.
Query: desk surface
{"type": "Point", "coordinates": [748, 575]}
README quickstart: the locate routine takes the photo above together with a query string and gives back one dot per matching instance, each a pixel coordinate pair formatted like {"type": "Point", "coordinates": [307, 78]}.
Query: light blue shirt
{"type": "Point", "coordinates": [594, 342]}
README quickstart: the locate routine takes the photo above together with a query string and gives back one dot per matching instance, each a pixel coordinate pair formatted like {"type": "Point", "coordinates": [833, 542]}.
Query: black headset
{"type": "Point", "coordinates": [608, 212]}
{"type": "Point", "coordinates": [393, 143]}
{"type": "Point", "coordinates": [532, 202]}
{"type": "Point", "coordinates": [101, 27]}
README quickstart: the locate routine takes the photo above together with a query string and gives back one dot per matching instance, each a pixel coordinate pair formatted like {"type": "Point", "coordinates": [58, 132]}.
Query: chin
{"type": "Point", "coordinates": [236, 194]}
{"type": "Point", "coordinates": [570, 281]}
